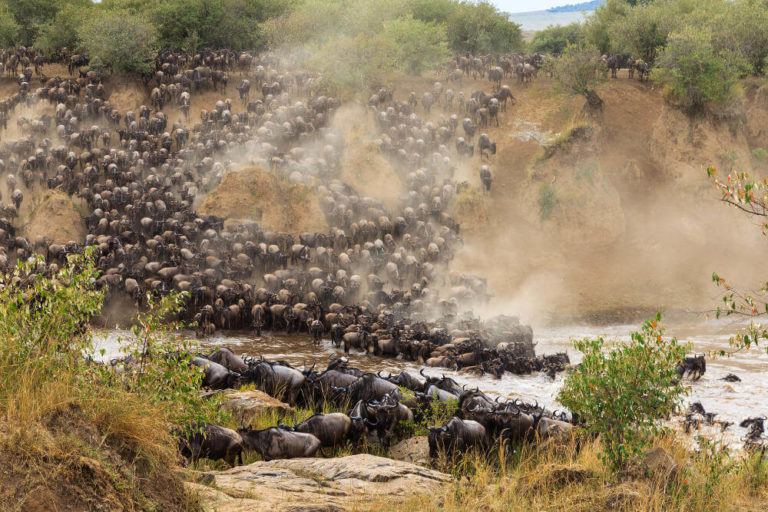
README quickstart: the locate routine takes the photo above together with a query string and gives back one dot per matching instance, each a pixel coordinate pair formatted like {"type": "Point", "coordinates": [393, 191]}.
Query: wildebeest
{"type": "Point", "coordinates": [212, 442]}
{"type": "Point", "coordinates": [456, 436]}
{"type": "Point", "coordinates": [278, 443]}
{"type": "Point", "coordinates": [331, 429]}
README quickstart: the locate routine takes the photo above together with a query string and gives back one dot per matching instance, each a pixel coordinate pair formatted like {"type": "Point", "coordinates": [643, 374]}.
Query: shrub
{"type": "Point", "coordinates": [760, 154]}
{"type": "Point", "coordinates": [694, 73]}
{"type": "Point", "coordinates": [119, 41]}
{"type": "Point", "coordinates": [61, 32]}
{"type": "Point", "coordinates": [579, 71]}
{"type": "Point", "coordinates": [481, 28]}
{"type": "Point", "coordinates": [555, 39]}
{"type": "Point", "coordinates": [623, 393]}
{"type": "Point", "coordinates": [415, 46]}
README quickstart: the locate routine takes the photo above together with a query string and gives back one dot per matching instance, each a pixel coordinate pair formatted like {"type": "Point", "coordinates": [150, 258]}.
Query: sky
{"type": "Point", "coordinates": [529, 5]}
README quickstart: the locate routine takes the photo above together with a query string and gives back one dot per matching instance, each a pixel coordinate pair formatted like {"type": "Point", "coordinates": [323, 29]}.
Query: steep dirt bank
{"type": "Point", "coordinates": [610, 221]}
{"type": "Point", "coordinates": [257, 195]}
{"type": "Point", "coordinates": [55, 215]}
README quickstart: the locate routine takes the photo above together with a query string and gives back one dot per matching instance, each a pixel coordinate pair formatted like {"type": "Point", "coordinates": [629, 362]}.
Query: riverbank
{"type": "Point", "coordinates": [568, 475]}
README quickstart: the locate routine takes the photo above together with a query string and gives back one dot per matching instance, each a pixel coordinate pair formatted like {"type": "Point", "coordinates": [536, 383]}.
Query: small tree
{"type": "Point", "coordinates": [623, 393]}
{"type": "Point", "coordinates": [751, 197]}
{"type": "Point", "coordinates": [693, 72]}
{"type": "Point", "coordinates": [579, 70]}
{"type": "Point", "coordinates": [119, 41]}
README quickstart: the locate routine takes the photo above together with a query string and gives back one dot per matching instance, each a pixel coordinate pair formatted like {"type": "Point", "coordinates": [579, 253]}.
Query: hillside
{"type": "Point", "coordinates": [631, 193]}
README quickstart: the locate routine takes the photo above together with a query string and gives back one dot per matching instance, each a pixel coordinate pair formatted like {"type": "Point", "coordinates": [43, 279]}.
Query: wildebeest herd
{"type": "Point", "coordinates": [379, 410]}
{"type": "Point", "coordinates": [378, 280]}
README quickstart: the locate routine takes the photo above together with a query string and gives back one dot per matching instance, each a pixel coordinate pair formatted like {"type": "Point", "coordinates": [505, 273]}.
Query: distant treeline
{"type": "Point", "coordinates": [250, 24]}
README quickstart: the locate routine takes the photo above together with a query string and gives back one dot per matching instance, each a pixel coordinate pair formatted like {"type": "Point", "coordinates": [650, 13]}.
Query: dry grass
{"type": "Point", "coordinates": [576, 480]}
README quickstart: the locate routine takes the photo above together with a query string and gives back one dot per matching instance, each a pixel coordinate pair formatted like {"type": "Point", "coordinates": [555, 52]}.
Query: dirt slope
{"type": "Point", "coordinates": [257, 195]}
{"type": "Point", "coordinates": [55, 215]}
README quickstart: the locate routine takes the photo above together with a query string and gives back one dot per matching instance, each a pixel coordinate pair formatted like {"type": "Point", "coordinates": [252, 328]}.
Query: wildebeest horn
{"type": "Point", "coordinates": [497, 399]}
{"type": "Point", "coordinates": [421, 372]}
{"type": "Point", "coordinates": [355, 418]}
{"type": "Point", "coordinates": [370, 423]}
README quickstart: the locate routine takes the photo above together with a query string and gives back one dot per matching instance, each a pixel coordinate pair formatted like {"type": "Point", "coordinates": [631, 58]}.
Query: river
{"type": "Point", "coordinates": [732, 401]}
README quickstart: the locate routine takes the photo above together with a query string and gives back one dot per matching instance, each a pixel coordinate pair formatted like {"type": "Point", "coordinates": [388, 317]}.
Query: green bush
{"type": "Point", "coordinates": [481, 28]}
{"type": "Point", "coordinates": [694, 73]}
{"type": "Point", "coordinates": [760, 154]}
{"type": "Point", "coordinates": [623, 393]}
{"type": "Point", "coordinates": [555, 39]}
{"type": "Point", "coordinates": [119, 41]}
{"type": "Point", "coordinates": [415, 46]}
{"type": "Point", "coordinates": [61, 32]}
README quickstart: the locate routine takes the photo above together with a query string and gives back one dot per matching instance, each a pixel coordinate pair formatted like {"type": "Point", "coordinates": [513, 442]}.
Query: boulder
{"type": "Point", "coordinates": [343, 483]}
{"type": "Point", "coordinates": [245, 405]}
{"type": "Point", "coordinates": [660, 462]}
{"type": "Point", "coordinates": [413, 449]}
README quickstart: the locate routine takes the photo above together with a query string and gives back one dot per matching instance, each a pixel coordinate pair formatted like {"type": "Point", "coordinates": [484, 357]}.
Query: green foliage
{"type": "Point", "coordinates": [44, 328]}
{"type": "Point", "coordinates": [416, 46]}
{"type": "Point", "coordinates": [579, 70]}
{"type": "Point", "coordinates": [749, 196]}
{"type": "Point", "coordinates": [741, 30]}
{"type": "Point", "coordinates": [547, 201]}
{"type": "Point", "coordinates": [9, 28]}
{"type": "Point", "coordinates": [760, 154]}
{"type": "Point", "coordinates": [61, 32]}
{"type": "Point", "coordinates": [119, 41]}
{"type": "Point", "coordinates": [642, 31]}
{"type": "Point", "coordinates": [597, 26]}
{"type": "Point", "coordinates": [694, 72]}
{"type": "Point", "coordinates": [481, 28]}
{"type": "Point", "coordinates": [31, 15]}
{"type": "Point", "coordinates": [555, 39]}
{"type": "Point", "coordinates": [162, 370]}
{"type": "Point", "coordinates": [624, 392]}
{"type": "Point", "coordinates": [216, 24]}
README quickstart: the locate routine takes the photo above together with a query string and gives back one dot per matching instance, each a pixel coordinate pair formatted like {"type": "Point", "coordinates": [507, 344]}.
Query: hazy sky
{"type": "Point", "coordinates": [529, 5]}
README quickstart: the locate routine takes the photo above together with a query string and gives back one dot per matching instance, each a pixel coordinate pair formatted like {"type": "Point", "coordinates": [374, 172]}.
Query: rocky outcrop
{"type": "Point", "coordinates": [413, 449]}
{"type": "Point", "coordinates": [245, 405]}
{"type": "Point", "coordinates": [337, 484]}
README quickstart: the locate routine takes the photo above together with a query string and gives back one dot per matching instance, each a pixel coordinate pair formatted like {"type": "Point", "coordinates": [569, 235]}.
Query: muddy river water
{"type": "Point", "coordinates": [732, 401]}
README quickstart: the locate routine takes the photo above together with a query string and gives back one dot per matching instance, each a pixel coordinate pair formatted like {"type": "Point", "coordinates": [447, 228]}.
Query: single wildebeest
{"type": "Point", "coordinates": [456, 436]}
{"type": "Point", "coordinates": [216, 375]}
{"type": "Point", "coordinates": [486, 178]}
{"type": "Point", "coordinates": [693, 366]}
{"type": "Point", "coordinates": [484, 144]}
{"type": "Point", "coordinates": [213, 442]}
{"type": "Point", "coordinates": [277, 443]}
{"type": "Point", "coordinates": [228, 359]}
{"type": "Point", "coordinates": [331, 429]}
